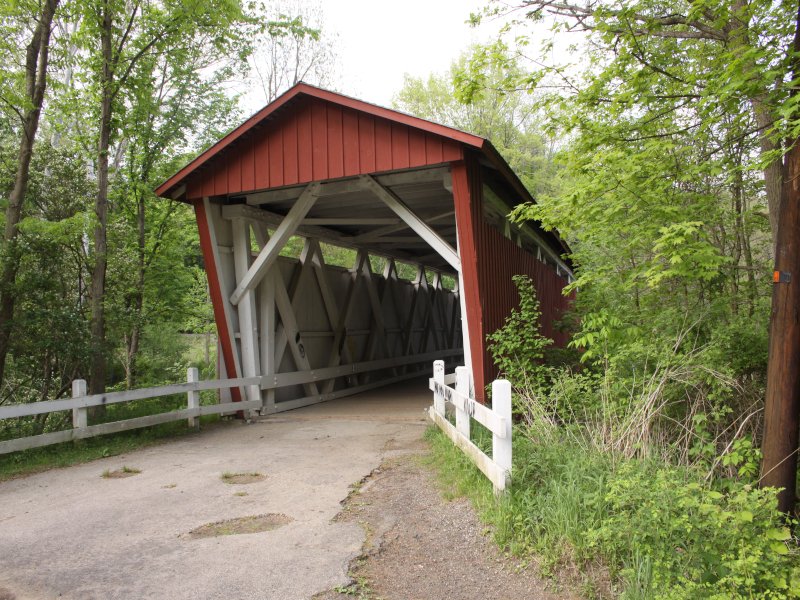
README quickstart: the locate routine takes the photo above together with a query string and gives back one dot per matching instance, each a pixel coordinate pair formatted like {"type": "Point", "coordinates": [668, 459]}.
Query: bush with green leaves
{"type": "Point", "coordinates": [660, 531]}
{"type": "Point", "coordinates": [692, 540]}
{"type": "Point", "coordinates": [517, 348]}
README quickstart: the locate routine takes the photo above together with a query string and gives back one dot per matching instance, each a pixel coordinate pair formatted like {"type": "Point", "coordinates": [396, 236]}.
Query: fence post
{"type": "Point", "coordinates": [462, 387]}
{"type": "Point", "coordinates": [438, 377]}
{"type": "Point", "coordinates": [80, 416]}
{"type": "Point", "coordinates": [501, 446]}
{"type": "Point", "coordinates": [192, 376]}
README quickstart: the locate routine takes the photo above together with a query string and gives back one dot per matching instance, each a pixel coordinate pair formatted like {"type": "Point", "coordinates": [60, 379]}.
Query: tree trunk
{"type": "Point", "coordinates": [36, 59]}
{"type": "Point", "coordinates": [97, 376]}
{"type": "Point", "coordinates": [740, 41]}
{"type": "Point", "coordinates": [138, 295]}
{"type": "Point", "coordinates": [782, 410]}
{"type": "Point", "coordinates": [773, 175]}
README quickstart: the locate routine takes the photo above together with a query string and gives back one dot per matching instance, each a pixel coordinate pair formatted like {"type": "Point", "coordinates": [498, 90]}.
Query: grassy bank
{"type": "Point", "coordinates": [634, 528]}
{"type": "Point", "coordinates": [35, 460]}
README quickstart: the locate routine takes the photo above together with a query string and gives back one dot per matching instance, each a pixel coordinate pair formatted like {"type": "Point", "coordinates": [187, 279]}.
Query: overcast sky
{"type": "Point", "coordinates": [379, 41]}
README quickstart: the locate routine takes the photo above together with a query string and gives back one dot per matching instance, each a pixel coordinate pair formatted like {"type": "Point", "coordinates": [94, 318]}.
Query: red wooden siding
{"type": "Point", "coordinates": [499, 259]}
{"type": "Point", "coordinates": [316, 140]}
{"type": "Point", "coordinates": [490, 291]}
{"type": "Point", "coordinates": [466, 189]}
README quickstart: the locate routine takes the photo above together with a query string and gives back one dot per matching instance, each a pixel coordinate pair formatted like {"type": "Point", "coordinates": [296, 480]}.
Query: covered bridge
{"type": "Point", "coordinates": [347, 246]}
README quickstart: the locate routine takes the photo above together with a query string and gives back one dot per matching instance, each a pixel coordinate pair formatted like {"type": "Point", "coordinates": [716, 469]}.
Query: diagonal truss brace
{"type": "Point", "coordinates": [269, 254]}
{"type": "Point", "coordinates": [425, 231]}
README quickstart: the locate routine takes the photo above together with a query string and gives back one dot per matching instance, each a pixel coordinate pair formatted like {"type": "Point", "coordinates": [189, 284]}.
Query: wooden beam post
{"type": "Point", "coordinates": [267, 322]}
{"type": "Point", "coordinates": [208, 221]}
{"type": "Point", "coordinates": [313, 253]}
{"type": "Point", "coordinates": [267, 257]}
{"type": "Point", "coordinates": [80, 416]}
{"type": "Point", "coordinates": [248, 324]}
{"type": "Point", "coordinates": [283, 303]}
{"type": "Point", "coordinates": [193, 396]}
{"type": "Point", "coordinates": [465, 184]}
{"type": "Point", "coordinates": [408, 329]}
{"type": "Point", "coordinates": [377, 334]}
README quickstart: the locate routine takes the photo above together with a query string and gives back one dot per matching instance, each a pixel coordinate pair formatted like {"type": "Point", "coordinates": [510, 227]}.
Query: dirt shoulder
{"type": "Point", "coordinates": [421, 546]}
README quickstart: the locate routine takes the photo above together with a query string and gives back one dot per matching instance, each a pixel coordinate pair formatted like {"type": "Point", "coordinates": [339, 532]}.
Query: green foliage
{"type": "Point", "coordinates": [698, 542]}
{"type": "Point", "coordinates": [670, 128]}
{"type": "Point", "coordinates": [494, 110]}
{"type": "Point", "coordinates": [683, 251]}
{"type": "Point", "coordinates": [664, 204]}
{"type": "Point", "coordinates": [660, 531]}
{"type": "Point", "coordinates": [517, 348]}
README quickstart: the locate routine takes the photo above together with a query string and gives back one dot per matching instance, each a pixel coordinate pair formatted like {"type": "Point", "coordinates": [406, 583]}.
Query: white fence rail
{"type": "Point", "coordinates": [81, 402]}
{"type": "Point", "coordinates": [496, 419]}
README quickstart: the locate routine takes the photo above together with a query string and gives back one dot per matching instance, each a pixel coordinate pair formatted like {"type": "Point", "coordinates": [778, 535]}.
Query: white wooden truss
{"type": "Point", "coordinates": [313, 331]}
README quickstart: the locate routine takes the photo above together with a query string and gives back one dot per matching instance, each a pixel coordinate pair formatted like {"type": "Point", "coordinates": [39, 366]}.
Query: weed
{"type": "Point", "coordinates": [242, 478]}
{"type": "Point", "coordinates": [125, 471]}
{"type": "Point", "coordinates": [359, 586]}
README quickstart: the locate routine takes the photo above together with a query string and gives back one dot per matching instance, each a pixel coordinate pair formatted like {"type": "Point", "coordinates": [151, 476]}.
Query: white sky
{"type": "Point", "coordinates": [380, 40]}
{"type": "Point", "coordinates": [377, 42]}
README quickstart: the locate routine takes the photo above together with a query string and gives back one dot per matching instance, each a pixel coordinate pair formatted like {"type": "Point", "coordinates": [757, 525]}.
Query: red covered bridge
{"type": "Point", "coordinates": [347, 246]}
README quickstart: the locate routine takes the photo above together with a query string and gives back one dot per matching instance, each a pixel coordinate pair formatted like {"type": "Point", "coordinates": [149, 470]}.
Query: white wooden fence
{"type": "Point", "coordinates": [496, 419]}
{"type": "Point", "coordinates": [81, 402]}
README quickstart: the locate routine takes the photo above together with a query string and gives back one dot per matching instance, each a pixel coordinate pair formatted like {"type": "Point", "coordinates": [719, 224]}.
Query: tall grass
{"type": "Point", "coordinates": [633, 527]}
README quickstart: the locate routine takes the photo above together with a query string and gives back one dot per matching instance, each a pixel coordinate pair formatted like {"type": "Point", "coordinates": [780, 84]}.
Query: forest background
{"type": "Point", "coordinates": [656, 150]}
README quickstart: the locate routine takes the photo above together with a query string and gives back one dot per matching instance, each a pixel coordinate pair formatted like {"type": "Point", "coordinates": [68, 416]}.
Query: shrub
{"type": "Point", "coordinates": [517, 348]}
{"type": "Point", "coordinates": [696, 541]}
{"type": "Point", "coordinates": [662, 531]}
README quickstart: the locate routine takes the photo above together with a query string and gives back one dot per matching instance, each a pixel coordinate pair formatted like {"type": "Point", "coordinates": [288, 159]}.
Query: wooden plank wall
{"type": "Point", "coordinates": [316, 140]}
{"type": "Point", "coordinates": [499, 259]}
{"type": "Point", "coordinates": [415, 319]}
{"type": "Point", "coordinates": [490, 291]}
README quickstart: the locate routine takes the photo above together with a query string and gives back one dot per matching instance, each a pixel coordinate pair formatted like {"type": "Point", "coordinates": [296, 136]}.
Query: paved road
{"type": "Point", "coordinates": [70, 533]}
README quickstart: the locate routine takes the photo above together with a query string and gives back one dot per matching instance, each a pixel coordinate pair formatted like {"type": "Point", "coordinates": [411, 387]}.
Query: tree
{"type": "Point", "coordinates": [117, 37]}
{"type": "Point", "coordinates": [175, 96]}
{"type": "Point", "coordinates": [684, 100]}
{"type": "Point", "coordinates": [28, 106]}
{"type": "Point", "coordinates": [717, 57]}
{"type": "Point", "coordinates": [49, 347]}
{"type": "Point", "coordinates": [782, 410]}
{"type": "Point", "coordinates": [293, 47]}
{"type": "Point", "coordinates": [510, 119]}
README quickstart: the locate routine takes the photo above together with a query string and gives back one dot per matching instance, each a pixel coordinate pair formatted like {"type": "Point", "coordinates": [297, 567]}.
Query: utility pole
{"type": "Point", "coordinates": [782, 410]}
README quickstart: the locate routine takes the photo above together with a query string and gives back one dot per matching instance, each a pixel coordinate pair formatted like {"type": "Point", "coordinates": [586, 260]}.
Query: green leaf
{"type": "Point", "coordinates": [781, 534]}
{"type": "Point", "coordinates": [745, 516]}
{"type": "Point", "coordinates": [779, 548]}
